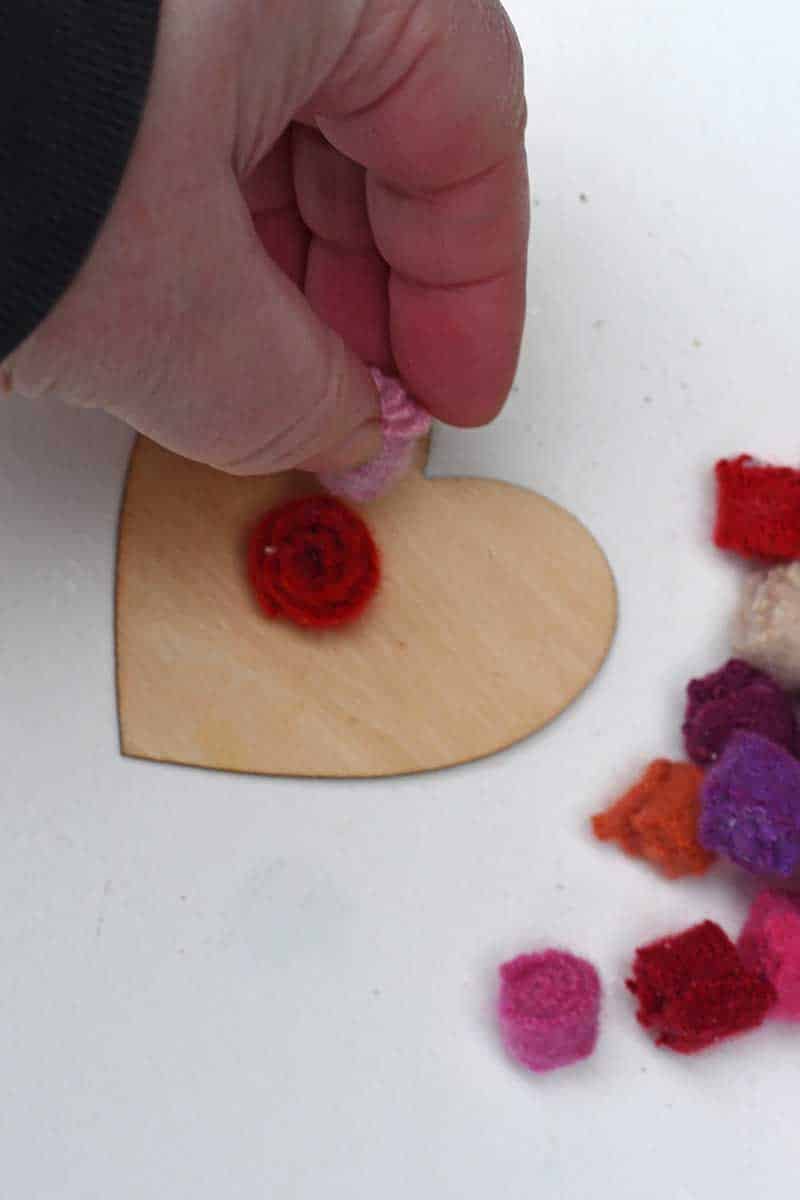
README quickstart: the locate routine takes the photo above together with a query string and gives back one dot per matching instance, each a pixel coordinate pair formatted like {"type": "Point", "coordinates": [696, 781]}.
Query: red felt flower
{"type": "Point", "coordinates": [694, 990]}
{"type": "Point", "coordinates": [314, 562]}
{"type": "Point", "coordinates": [758, 509]}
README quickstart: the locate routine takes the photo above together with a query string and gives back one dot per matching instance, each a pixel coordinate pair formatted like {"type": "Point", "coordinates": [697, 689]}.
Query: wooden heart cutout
{"type": "Point", "coordinates": [496, 609]}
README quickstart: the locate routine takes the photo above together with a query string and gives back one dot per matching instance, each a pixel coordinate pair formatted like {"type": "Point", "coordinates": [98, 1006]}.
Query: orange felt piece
{"type": "Point", "coordinates": [657, 819]}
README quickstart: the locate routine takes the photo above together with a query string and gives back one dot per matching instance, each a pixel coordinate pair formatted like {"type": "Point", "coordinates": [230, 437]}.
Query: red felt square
{"type": "Point", "coordinates": [758, 509]}
{"type": "Point", "coordinates": [694, 990]}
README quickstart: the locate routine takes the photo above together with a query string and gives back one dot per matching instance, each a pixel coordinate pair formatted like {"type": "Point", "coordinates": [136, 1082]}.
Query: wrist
{"type": "Point", "coordinates": [69, 121]}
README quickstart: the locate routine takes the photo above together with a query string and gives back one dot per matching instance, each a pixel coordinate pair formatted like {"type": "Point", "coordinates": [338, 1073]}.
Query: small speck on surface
{"type": "Point", "coordinates": [696, 343]}
{"type": "Point", "coordinates": [584, 199]}
{"type": "Point", "coordinates": [647, 399]}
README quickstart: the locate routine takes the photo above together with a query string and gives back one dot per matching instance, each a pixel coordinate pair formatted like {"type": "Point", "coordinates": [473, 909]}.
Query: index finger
{"type": "Point", "coordinates": [437, 117]}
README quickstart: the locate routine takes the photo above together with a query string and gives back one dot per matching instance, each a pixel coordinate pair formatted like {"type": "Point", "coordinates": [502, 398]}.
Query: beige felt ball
{"type": "Point", "coordinates": [767, 627]}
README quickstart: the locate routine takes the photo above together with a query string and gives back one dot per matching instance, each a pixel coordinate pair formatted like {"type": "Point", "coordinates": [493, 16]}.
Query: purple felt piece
{"type": "Point", "coordinates": [735, 697]}
{"type": "Point", "coordinates": [750, 806]}
{"type": "Point", "coordinates": [549, 1009]}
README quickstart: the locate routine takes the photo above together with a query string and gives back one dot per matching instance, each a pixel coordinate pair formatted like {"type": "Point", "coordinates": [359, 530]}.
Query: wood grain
{"type": "Point", "coordinates": [496, 609]}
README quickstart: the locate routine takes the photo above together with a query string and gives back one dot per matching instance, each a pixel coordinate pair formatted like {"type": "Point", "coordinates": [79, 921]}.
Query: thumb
{"type": "Point", "coordinates": [257, 382]}
{"type": "Point", "coordinates": [270, 386]}
{"type": "Point", "coordinates": [206, 347]}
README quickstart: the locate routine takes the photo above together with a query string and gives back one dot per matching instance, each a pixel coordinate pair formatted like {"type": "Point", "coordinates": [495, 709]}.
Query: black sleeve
{"type": "Point", "coordinates": [73, 80]}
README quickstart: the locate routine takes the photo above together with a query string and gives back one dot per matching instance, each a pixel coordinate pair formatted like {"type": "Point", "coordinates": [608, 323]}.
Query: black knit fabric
{"type": "Point", "coordinates": [73, 79]}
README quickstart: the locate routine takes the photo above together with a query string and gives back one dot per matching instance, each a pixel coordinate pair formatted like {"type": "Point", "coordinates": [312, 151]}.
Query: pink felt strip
{"type": "Point", "coordinates": [404, 422]}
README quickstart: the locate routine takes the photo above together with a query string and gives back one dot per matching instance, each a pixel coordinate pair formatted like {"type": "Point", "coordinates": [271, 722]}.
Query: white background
{"type": "Point", "coordinates": [231, 987]}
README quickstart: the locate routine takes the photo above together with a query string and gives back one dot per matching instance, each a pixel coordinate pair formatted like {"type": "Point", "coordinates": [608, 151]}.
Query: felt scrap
{"type": "Point", "coordinates": [403, 423]}
{"type": "Point", "coordinates": [758, 509]}
{"type": "Point", "coordinates": [693, 989]}
{"type": "Point", "coordinates": [750, 806]}
{"type": "Point", "coordinates": [735, 697]}
{"type": "Point", "coordinates": [770, 945]}
{"type": "Point", "coordinates": [314, 562]}
{"type": "Point", "coordinates": [767, 626]}
{"type": "Point", "coordinates": [657, 819]}
{"type": "Point", "coordinates": [549, 1009]}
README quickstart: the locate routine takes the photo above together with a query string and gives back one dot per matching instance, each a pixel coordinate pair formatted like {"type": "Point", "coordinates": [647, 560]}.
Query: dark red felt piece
{"type": "Point", "coordinates": [313, 561]}
{"type": "Point", "coordinates": [694, 990]}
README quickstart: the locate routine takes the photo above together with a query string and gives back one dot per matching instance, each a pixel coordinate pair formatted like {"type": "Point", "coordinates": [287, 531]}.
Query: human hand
{"type": "Point", "coordinates": [375, 149]}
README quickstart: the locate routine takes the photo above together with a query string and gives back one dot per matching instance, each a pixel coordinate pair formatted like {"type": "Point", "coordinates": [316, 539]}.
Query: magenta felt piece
{"type": "Point", "coordinates": [750, 806]}
{"type": "Point", "coordinates": [735, 697]}
{"type": "Point", "coordinates": [549, 1009]}
{"type": "Point", "coordinates": [770, 944]}
{"type": "Point", "coordinates": [403, 423]}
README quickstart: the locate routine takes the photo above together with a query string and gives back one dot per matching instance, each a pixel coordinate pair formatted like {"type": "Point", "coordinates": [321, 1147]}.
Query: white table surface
{"type": "Point", "coordinates": [242, 988]}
